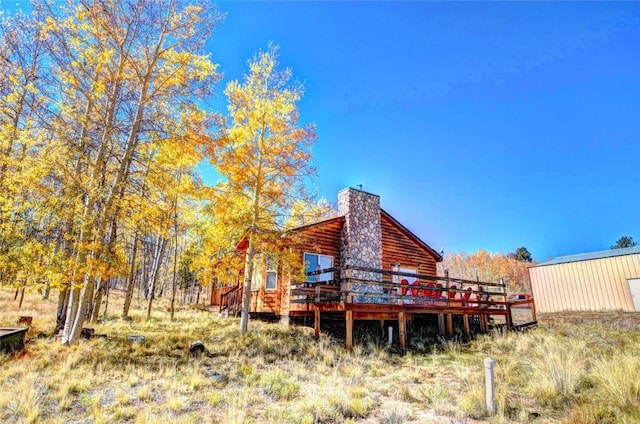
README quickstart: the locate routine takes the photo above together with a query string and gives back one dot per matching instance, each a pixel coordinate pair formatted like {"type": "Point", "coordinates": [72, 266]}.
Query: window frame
{"type": "Point", "coordinates": [317, 278]}
{"type": "Point", "coordinates": [273, 261]}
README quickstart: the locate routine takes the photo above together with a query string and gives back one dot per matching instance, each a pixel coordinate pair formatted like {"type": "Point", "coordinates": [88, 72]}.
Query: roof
{"type": "Point", "coordinates": [395, 222]}
{"type": "Point", "coordinates": [323, 221]}
{"type": "Point", "coordinates": [593, 255]}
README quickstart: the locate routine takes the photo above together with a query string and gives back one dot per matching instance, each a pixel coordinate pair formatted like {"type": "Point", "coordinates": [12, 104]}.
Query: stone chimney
{"type": "Point", "coordinates": [361, 237]}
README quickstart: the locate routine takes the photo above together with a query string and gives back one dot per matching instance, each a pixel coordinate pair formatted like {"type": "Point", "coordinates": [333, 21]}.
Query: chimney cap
{"type": "Point", "coordinates": [359, 189]}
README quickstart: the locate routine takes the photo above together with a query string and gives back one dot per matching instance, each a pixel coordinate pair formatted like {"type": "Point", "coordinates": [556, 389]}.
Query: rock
{"type": "Point", "coordinates": [196, 348]}
{"type": "Point", "coordinates": [214, 375]}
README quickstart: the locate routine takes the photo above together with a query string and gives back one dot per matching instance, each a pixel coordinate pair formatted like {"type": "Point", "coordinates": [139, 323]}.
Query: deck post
{"type": "Point", "coordinates": [484, 327]}
{"type": "Point", "coordinates": [449, 325]}
{"type": "Point", "coordinates": [508, 318]}
{"type": "Point", "coordinates": [441, 324]}
{"type": "Point", "coordinates": [316, 322]}
{"type": "Point", "coordinates": [349, 318]}
{"type": "Point", "coordinates": [533, 310]}
{"type": "Point", "coordinates": [465, 322]}
{"type": "Point", "coordinates": [402, 329]}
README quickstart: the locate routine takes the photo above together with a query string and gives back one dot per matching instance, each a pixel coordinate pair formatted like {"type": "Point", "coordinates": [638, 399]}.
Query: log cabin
{"type": "Point", "coordinates": [364, 265]}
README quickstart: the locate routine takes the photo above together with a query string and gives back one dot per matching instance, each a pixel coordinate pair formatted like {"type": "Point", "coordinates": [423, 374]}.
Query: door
{"type": "Point", "coordinates": [634, 289]}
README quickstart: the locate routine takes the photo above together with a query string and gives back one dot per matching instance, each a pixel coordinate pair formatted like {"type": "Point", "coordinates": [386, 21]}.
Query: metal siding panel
{"type": "Point", "coordinates": [553, 289]}
{"type": "Point", "coordinates": [622, 282]}
{"type": "Point", "coordinates": [626, 267]}
{"type": "Point", "coordinates": [617, 273]}
{"type": "Point", "coordinates": [572, 299]}
{"type": "Point", "coordinates": [609, 289]}
{"type": "Point", "coordinates": [550, 289]}
{"type": "Point", "coordinates": [637, 267]}
{"type": "Point", "coordinates": [607, 300]}
{"type": "Point", "coordinates": [635, 261]}
{"type": "Point", "coordinates": [615, 288]}
{"type": "Point", "coordinates": [579, 286]}
{"type": "Point", "coordinates": [590, 287]}
{"type": "Point", "coordinates": [587, 289]}
{"type": "Point", "coordinates": [561, 280]}
{"type": "Point", "coordinates": [594, 282]}
{"type": "Point", "coordinates": [564, 282]}
{"type": "Point", "coordinates": [589, 293]}
{"type": "Point", "coordinates": [542, 291]}
{"type": "Point", "coordinates": [536, 287]}
{"type": "Point", "coordinates": [558, 275]}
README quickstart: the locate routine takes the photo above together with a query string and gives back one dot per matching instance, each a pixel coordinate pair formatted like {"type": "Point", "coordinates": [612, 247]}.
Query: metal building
{"type": "Point", "coordinates": [597, 281]}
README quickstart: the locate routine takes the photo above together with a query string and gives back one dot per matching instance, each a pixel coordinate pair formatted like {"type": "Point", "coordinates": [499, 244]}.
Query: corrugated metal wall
{"type": "Point", "coordinates": [590, 285]}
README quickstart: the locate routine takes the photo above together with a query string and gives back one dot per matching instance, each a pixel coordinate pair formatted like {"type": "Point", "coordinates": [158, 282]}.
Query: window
{"type": "Point", "coordinates": [272, 273]}
{"type": "Point", "coordinates": [398, 278]}
{"type": "Point", "coordinates": [316, 262]}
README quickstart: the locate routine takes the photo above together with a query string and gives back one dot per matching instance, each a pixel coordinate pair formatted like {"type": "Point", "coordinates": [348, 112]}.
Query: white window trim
{"type": "Point", "coordinates": [274, 270]}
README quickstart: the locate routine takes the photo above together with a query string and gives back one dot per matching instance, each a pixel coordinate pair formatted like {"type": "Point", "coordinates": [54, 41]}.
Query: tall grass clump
{"type": "Point", "coordinates": [395, 412]}
{"type": "Point", "coordinates": [23, 400]}
{"type": "Point", "coordinates": [560, 368]}
{"type": "Point", "coordinates": [279, 384]}
{"type": "Point", "coordinates": [618, 379]}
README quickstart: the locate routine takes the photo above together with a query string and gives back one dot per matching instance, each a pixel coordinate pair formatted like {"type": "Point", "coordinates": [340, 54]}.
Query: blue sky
{"type": "Point", "coordinates": [480, 125]}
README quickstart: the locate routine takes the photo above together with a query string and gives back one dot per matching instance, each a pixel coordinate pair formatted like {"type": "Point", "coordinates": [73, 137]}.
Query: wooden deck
{"type": "Point", "coordinates": [387, 298]}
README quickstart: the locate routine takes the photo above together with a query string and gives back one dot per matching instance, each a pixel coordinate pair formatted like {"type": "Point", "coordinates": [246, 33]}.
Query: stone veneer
{"type": "Point", "coordinates": [361, 236]}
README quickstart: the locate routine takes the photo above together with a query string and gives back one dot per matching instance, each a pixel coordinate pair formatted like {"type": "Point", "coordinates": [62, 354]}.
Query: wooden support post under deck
{"type": "Point", "coordinates": [483, 323]}
{"type": "Point", "coordinates": [316, 322]}
{"type": "Point", "coordinates": [349, 317]}
{"type": "Point", "coordinates": [465, 322]}
{"type": "Point", "coordinates": [402, 327]}
{"type": "Point", "coordinates": [533, 311]}
{"type": "Point", "coordinates": [449, 325]}
{"type": "Point", "coordinates": [441, 324]}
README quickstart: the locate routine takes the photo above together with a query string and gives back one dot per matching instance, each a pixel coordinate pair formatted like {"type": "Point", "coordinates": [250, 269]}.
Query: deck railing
{"type": "Point", "coordinates": [428, 293]}
{"type": "Point", "coordinates": [231, 300]}
{"type": "Point", "coordinates": [393, 288]}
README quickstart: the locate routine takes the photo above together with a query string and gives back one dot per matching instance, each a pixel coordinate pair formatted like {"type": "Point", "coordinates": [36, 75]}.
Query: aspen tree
{"type": "Point", "coordinates": [127, 74]}
{"type": "Point", "coordinates": [265, 152]}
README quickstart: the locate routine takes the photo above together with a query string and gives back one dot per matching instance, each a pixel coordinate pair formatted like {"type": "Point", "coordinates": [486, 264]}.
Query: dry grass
{"type": "Point", "coordinates": [582, 369]}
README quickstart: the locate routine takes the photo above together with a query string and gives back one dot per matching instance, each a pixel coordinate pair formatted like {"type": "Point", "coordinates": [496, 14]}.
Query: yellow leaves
{"type": "Point", "coordinates": [49, 25]}
{"type": "Point", "coordinates": [487, 266]}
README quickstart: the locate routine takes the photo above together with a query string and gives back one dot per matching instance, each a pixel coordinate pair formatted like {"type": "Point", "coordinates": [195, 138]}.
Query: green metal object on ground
{"type": "Point", "coordinates": [12, 339]}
